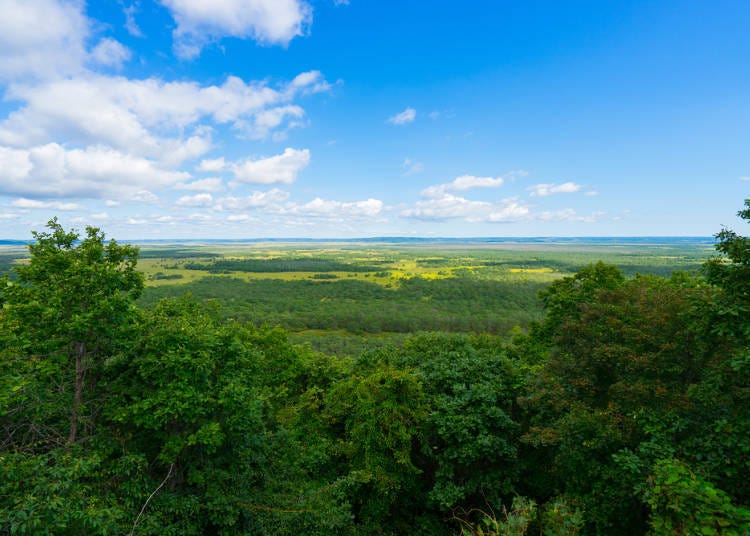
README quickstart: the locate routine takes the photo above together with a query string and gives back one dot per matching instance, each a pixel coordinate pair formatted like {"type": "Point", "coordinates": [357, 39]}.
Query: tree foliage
{"type": "Point", "coordinates": [65, 314]}
{"type": "Point", "coordinates": [624, 410]}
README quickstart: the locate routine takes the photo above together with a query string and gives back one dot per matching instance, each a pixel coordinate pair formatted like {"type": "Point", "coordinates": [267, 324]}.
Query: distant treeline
{"type": "Point", "coordinates": [172, 253]}
{"type": "Point", "coordinates": [312, 264]}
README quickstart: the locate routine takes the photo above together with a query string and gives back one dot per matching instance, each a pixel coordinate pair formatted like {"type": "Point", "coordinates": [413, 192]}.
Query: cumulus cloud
{"type": "Point", "coordinates": [269, 22]}
{"type": "Point", "coordinates": [449, 206]}
{"type": "Point", "coordinates": [337, 209]}
{"type": "Point", "coordinates": [543, 190]}
{"type": "Point", "coordinates": [95, 172]}
{"type": "Point", "coordinates": [282, 168]}
{"type": "Point", "coordinates": [74, 132]}
{"type": "Point", "coordinates": [42, 39]}
{"type": "Point", "coordinates": [255, 200]}
{"type": "Point", "coordinates": [198, 200]}
{"type": "Point", "coordinates": [508, 211]}
{"type": "Point", "coordinates": [211, 184]}
{"type": "Point", "coordinates": [403, 118]}
{"type": "Point", "coordinates": [262, 124]}
{"type": "Point", "coordinates": [212, 165]}
{"type": "Point", "coordinates": [110, 53]}
{"type": "Point", "coordinates": [53, 205]}
{"type": "Point", "coordinates": [309, 82]}
{"type": "Point", "coordinates": [143, 196]}
{"type": "Point", "coordinates": [446, 206]}
{"type": "Point", "coordinates": [462, 183]}
{"type": "Point", "coordinates": [138, 115]}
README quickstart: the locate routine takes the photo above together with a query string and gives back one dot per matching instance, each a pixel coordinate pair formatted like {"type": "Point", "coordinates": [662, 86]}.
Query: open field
{"type": "Point", "coordinates": [341, 297]}
{"type": "Point", "coordinates": [389, 264]}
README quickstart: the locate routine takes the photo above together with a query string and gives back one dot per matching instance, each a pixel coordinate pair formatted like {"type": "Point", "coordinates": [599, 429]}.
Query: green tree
{"type": "Point", "coordinates": [64, 315]}
{"type": "Point", "coordinates": [468, 451]}
{"type": "Point", "coordinates": [185, 400]}
{"type": "Point", "coordinates": [614, 392]}
{"type": "Point", "coordinates": [69, 310]}
{"type": "Point", "coordinates": [682, 502]}
{"type": "Point", "coordinates": [730, 271]}
{"type": "Point", "coordinates": [376, 415]}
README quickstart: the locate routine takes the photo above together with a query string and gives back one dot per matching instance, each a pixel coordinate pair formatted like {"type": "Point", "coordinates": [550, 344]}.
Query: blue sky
{"type": "Point", "coordinates": [332, 118]}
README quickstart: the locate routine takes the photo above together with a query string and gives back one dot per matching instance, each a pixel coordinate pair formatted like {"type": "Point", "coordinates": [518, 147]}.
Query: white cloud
{"type": "Point", "coordinates": [467, 182]}
{"type": "Point", "coordinates": [543, 190]}
{"type": "Point", "coordinates": [462, 183]}
{"type": "Point", "coordinates": [509, 211]}
{"type": "Point", "coordinates": [132, 115]}
{"type": "Point", "coordinates": [99, 216]}
{"type": "Point", "coordinates": [198, 200]}
{"type": "Point", "coordinates": [148, 117]}
{"type": "Point", "coordinates": [255, 200]}
{"type": "Point", "coordinates": [270, 22]}
{"type": "Point", "coordinates": [282, 168]}
{"type": "Point", "coordinates": [262, 124]}
{"type": "Point", "coordinates": [449, 206]}
{"type": "Point", "coordinates": [403, 118]}
{"type": "Point", "coordinates": [309, 82]}
{"type": "Point", "coordinates": [143, 196]}
{"type": "Point", "coordinates": [112, 203]}
{"type": "Point", "coordinates": [745, 178]}
{"type": "Point", "coordinates": [97, 110]}
{"type": "Point", "coordinates": [95, 172]}
{"type": "Point", "coordinates": [591, 193]}
{"type": "Point", "coordinates": [130, 25]}
{"type": "Point", "coordinates": [569, 214]}
{"type": "Point", "coordinates": [412, 167]}
{"type": "Point", "coordinates": [53, 205]}
{"type": "Point", "coordinates": [337, 209]}
{"type": "Point", "coordinates": [41, 39]}
{"type": "Point", "coordinates": [212, 184]}
{"type": "Point", "coordinates": [212, 165]}
{"type": "Point", "coordinates": [110, 53]}
{"type": "Point", "coordinates": [240, 217]}
{"type": "Point", "coordinates": [120, 125]}
{"type": "Point", "coordinates": [446, 206]}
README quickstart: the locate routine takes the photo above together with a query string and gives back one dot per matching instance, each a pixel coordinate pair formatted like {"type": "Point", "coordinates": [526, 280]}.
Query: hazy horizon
{"type": "Point", "coordinates": [427, 239]}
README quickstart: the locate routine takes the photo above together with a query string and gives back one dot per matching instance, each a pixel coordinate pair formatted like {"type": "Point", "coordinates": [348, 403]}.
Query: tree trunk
{"type": "Point", "coordinates": [77, 390]}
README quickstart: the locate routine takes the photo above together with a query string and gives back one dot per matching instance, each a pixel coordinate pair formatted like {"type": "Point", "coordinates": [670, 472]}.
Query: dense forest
{"type": "Point", "coordinates": [623, 409]}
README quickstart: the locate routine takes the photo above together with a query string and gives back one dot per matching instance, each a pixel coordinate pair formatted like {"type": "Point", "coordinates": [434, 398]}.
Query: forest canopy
{"type": "Point", "coordinates": [623, 409]}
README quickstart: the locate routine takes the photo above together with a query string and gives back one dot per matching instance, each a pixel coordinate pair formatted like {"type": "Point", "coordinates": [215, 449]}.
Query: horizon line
{"type": "Point", "coordinates": [13, 241]}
